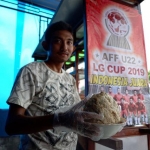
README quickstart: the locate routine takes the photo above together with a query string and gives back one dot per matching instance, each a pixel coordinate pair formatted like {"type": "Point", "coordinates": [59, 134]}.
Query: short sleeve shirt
{"type": "Point", "coordinates": [127, 98]}
{"type": "Point", "coordinates": [141, 96]}
{"type": "Point", "coordinates": [118, 97]}
{"type": "Point", "coordinates": [135, 98]}
{"type": "Point", "coordinates": [41, 91]}
{"type": "Point", "coordinates": [132, 107]}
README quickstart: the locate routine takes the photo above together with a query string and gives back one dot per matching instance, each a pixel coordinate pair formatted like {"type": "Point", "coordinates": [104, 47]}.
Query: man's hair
{"type": "Point", "coordinates": [61, 25]}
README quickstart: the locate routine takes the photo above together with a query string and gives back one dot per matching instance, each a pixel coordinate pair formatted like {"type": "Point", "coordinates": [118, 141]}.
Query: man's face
{"type": "Point", "coordinates": [110, 90]}
{"type": "Point", "coordinates": [102, 89]}
{"type": "Point", "coordinates": [140, 92]}
{"type": "Point", "coordinates": [61, 46]}
{"type": "Point", "coordinates": [118, 90]}
{"type": "Point", "coordinates": [135, 93]}
{"type": "Point", "coordinates": [131, 100]}
{"type": "Point", "coordinates": [139, 100]}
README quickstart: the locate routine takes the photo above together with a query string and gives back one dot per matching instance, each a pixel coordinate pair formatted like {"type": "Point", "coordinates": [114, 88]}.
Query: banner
{"type": "Point", "coordinates": [117, 58]}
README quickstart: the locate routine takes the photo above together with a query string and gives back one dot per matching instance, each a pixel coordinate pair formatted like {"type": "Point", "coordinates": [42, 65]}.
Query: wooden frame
{"type": "Point", "coordinates": [113, 143]}
{"type": "Point", "coordinates": [117, 144]}
{"type": "Point", "coordinates": [131, 131]}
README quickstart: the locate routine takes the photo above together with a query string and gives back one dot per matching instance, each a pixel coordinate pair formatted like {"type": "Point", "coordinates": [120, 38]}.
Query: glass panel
{"type": "Point", "coordinates": [7, 46]}
{"type": "Point", "coordinates": [19, 38]}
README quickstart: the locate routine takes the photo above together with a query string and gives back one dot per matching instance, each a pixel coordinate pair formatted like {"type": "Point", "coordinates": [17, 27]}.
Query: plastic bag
{"type": "Point", "coordinates": [73, 118]}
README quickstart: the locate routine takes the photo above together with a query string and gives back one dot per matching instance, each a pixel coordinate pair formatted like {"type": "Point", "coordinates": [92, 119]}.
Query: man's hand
{"type": "Point", "coordinates": [75, 119]}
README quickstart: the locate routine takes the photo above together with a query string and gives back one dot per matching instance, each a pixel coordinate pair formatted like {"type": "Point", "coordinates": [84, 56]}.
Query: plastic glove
{"type": "Point", "coordinates": [74, 119]}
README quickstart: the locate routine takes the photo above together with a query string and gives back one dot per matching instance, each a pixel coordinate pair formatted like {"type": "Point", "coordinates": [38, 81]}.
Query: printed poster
{"type": "Point", "coordinates": [117, 58]}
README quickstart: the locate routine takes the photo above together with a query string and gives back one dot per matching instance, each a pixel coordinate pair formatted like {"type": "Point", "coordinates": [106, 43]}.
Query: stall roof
{"type": "Point", "coordinates": [48, 4]}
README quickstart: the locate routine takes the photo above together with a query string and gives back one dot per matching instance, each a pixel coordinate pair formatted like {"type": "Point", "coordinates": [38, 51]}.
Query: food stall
{"type": "Point", "coordinates": [110, 56]}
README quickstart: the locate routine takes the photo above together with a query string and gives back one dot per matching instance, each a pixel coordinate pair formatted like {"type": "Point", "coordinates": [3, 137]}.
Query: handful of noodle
{"type": "Point", "coordinates": [103, 103]}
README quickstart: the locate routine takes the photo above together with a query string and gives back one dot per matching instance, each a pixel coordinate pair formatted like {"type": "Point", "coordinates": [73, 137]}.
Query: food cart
{"type": "Point", "coordinates": [109, 55]}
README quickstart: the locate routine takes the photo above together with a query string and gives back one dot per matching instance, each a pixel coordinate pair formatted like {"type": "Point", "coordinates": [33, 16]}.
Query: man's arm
{"type": "Point", "coordinates": [18, 123]}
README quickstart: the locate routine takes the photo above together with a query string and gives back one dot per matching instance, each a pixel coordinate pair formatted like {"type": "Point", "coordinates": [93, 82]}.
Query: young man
{"type": "Point", "coordinates": [102, 89]}
{"type": "Point", "coordinates": [118, 96]}
{"type": "Point", "coordinates": [124, 108]}
{"type": "Point", "coordinates": [141, 112]}
{"type": "Point", "coordinates": [127, 96]}
{"type": "Point", "coordinates": [140, 95]}
{"type": "Point", "coordinates": [110, 91]}
{"type": "Point", "coordinates": [132, 109]}
{"type": "Point", "coordinates": [44, 102]}
{"type": "Point", "coordinates": [135, 96]}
